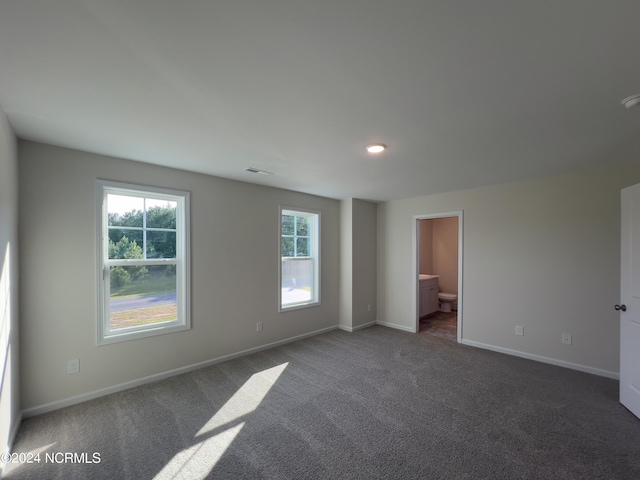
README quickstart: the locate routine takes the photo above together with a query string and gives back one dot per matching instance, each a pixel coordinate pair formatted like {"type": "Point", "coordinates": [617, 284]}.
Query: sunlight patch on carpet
{"type": "Point", "coordinates": [246, 399]}
{"type": "Point", "coordinates": [197, 461]}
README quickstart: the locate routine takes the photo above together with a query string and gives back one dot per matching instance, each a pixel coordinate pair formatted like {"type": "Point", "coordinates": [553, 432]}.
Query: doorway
{"type": "Point", "coordinates": [440, 255]}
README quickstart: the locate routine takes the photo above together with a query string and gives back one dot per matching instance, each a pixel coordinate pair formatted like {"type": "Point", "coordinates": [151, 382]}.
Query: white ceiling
{"type": "Point", "coordinates": [464, 93]}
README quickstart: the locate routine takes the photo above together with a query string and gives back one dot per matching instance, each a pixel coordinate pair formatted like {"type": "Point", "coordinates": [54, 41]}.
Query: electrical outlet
{"type": "Point", "coordinates": [519, 330]}
{"type": "Point", "coordinates": [369, 308]}
{"type": "Point", "coordinates": [567, 338]}
{"type": "Point", "coordinates": [259, 327]}
{"type": "Point", "coordinates": [73, 366]}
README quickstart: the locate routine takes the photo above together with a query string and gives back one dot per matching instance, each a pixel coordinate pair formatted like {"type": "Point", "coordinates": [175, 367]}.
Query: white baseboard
{"type": "Point", "coordinates": [359, 327]}
{"type": "Point", "coordinates": [540, 358]}
{"type": "Point", "coordinates": [396, 326]}
{"type": "Point", "coordinates": [49, 407]}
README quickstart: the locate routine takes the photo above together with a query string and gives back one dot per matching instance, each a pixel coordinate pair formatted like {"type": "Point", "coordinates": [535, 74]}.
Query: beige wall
{"type": "Point", "coordinates": [346, 264]}
{"type": "Point", "coordinates": [542, 253]}
{"type": "Point", "coordinates": [234, 251]}
{"type": "Point", "coordinates": [10, 393]}
{"type": "Point", "coordinates": [358, 263]}
{"type": "Point", "coordinates": [445, 253]}
{"type": "Point", "coordinates": [364, 262]}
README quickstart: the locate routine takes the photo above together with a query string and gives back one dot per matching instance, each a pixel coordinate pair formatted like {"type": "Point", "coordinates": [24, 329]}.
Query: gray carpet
{"type": "Point", "coordinates": [377, 403]}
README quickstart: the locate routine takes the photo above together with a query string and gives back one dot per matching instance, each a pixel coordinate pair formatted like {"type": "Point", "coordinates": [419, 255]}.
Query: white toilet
{"type": "Point", "coordinates": [446, 301]}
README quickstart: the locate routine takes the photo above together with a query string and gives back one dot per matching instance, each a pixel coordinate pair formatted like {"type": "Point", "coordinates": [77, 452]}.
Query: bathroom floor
{"type": "Point", "coordinates": [441, 324]}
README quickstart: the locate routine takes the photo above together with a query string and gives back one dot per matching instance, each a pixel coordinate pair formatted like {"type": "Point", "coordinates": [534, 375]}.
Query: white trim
{"type": "Point", "coordinates": [182, 261]}
{"type": "Point", "coordinates": [396, 326]}
{"type": "Point", "coordinates": [540, 358]}
{"type": "Point", "coordinates": [416, 268]}
{"type": "Point", "coordinates": [359, 327]}
{"type": "Point", "coordinates": [49, 407]}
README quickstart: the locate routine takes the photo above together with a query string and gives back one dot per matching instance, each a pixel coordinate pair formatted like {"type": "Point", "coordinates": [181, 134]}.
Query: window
{"type": "Point", "coordinates": [299, 254]}
{"type": "Point", "coordinates": [143, 252]}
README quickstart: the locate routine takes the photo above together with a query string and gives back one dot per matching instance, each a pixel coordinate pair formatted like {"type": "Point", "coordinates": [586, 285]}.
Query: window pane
{"type": "Point", "coordinates": [125, 211]}
{"type": "Point", "coordinates": [302, 226]}
{"type": "Point", "coordinates": [161, 214]}
{"type": "Point", "coordinates": [161, 244]}
{"type": "Point", "coordinates": [297, 278]}
{"type": "Point", "coordinates": [125, 244]}
{"type": "Point", "coordinates": [303, 247]}
{"type": "Point", "coordinates": [287, 247]}
{"type": "Point", "coordinates": [287, 224]}
{"type": "Point", "coordinates": [142, 295]}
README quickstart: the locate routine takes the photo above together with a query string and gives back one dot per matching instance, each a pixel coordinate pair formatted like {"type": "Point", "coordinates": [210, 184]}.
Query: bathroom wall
{"type": "Point", "coordinates": [426, 246]}
{"type": "Point", "coordinates": [445, 253]}
{"type": "Point", "coordinates": [439, 250]}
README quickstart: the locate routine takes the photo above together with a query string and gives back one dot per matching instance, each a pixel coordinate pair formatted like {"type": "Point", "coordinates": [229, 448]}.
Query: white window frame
{"type": "Point", "coordinates": [314, 249]}
{"type": "Point", "coordinates": [182, 262]}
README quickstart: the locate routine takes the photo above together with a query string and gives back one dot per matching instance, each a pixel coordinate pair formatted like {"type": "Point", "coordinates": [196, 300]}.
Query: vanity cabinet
{"type": "Point", "coordinates": [429, 295]}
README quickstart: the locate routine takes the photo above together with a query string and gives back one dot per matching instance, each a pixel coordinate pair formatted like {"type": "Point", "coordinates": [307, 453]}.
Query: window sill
{"type": "Point", "coordinates": [297, 306]}
{"type": "Point", "coordinates": [137, 334]}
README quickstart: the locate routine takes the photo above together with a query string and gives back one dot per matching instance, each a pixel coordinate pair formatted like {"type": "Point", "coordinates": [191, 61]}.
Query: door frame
{"type": "Point", "coordinates": [416, 266]}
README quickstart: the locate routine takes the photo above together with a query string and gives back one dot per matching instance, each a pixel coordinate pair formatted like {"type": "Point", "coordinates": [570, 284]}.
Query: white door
{"type": "Point", "coordinates": [629, 306]}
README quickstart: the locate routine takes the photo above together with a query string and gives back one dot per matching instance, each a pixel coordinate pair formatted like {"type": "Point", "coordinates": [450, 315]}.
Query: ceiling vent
{"type": "Point", "coordinates": [257, 170]}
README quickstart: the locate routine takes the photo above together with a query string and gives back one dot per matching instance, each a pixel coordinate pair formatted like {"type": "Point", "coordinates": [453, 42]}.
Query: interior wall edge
{"type": "Point", "coordinates": [359, 327]}
{"type": "Point", "coordinates": [404, 328]}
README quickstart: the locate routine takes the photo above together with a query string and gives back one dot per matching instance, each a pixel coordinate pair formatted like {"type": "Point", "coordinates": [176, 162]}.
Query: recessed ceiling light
{"type": "Point", "coordinates": [631, 101]}
{"type": "Point", "coordinates": [376, 148]}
